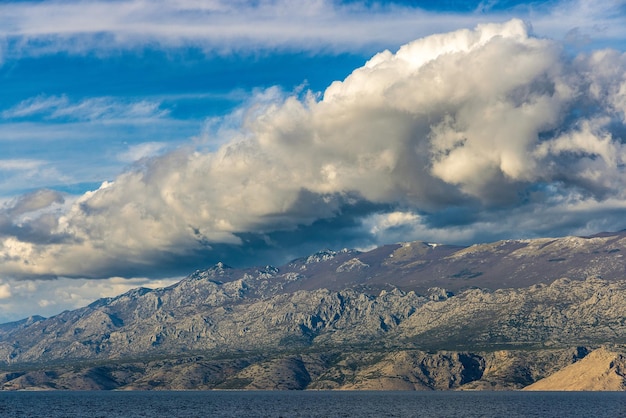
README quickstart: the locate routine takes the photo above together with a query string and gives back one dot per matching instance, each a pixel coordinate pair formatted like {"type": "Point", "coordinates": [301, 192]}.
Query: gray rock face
{"type": "Point", "coordinates": [221, 318]}
{"type": "Point", "coordinates": [390, 300]}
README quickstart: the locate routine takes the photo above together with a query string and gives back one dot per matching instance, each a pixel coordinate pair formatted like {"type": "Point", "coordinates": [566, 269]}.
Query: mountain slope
{"type": "Point", "coordinates": [414, 296]}
{"type": "Point", "coordinates": [419, 266]}
{"type": "Point", "coordinates": [224, 319]}
{"type": "Point", "coordinates": [600, 370]}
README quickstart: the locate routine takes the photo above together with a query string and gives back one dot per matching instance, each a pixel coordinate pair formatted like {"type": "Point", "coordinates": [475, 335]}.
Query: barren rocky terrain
{"type": "Point", "coordinates": [411, 316]}
{"type": "Point", "coordinates": [602, 369]}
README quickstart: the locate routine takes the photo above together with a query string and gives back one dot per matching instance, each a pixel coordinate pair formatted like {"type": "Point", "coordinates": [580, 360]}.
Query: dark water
{"type": "Point", "coordinates": [312, 404]}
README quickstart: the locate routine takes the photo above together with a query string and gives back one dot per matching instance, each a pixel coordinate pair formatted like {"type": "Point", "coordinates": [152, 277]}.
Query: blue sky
{"type": "Point", "coordinates": [140, 141]}
{"type": "Point", "coordinates": [81, 115]}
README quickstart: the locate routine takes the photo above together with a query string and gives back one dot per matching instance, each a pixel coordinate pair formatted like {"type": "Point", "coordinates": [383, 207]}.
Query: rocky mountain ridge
{"type": "Point", "coordinates": [402, 307]}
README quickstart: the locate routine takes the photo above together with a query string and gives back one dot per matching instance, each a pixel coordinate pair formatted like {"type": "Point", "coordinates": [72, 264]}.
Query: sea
{"type": "Point", "coordinates": [94, 404]}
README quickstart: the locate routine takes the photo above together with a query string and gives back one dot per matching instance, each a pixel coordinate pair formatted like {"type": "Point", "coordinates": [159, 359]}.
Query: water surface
{"type": "Point", "coordinates": [312, 404]}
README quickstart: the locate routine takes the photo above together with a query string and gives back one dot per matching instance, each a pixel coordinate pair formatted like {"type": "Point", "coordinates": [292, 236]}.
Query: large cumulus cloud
{"type": "Point", "coordinates": [474, 134]}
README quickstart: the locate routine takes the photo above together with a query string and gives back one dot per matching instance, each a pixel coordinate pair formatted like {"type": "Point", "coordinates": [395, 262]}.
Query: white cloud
{"type": "Point", "coordinates": [226, 26]}
{"type": "Point", "coordinates": [5, 291]}
{"type": "Point", "coordinates": [25, 174]}
{"type": "Point", "coordinates": [20, 164]}
{"type": "Point", "coordinates": [141, 151]}
{"type": "Point", "coordinates": [382, 222]}
{"type": "Point", "coordinates": [589, 18]}
{"type": "Point", "coordinates": [400, 226]}
{"type": "Point", "coordinates": [22, 176]}
{"type": "Point", "coordinates": [35, 105]}
{"type": "Point", "coordinates": [97, 108]}
{"type": "Point", "coordinates": [34, 201]}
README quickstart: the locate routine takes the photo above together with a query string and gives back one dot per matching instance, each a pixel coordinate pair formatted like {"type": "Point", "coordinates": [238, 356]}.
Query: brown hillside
{"type": "Point", "coordinates": [600, 370]}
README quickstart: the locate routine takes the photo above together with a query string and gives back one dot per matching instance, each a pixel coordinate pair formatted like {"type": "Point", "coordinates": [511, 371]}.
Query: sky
{"type": "Point", "coordinates": [142, 140]}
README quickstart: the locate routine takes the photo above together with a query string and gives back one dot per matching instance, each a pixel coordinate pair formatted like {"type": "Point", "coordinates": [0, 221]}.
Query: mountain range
{"type": "Point", "coordinates": [416, 315]}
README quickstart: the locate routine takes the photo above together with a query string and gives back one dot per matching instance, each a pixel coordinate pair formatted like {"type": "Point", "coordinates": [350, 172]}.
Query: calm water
{"type": "Point", "coordinates": [312, 404]}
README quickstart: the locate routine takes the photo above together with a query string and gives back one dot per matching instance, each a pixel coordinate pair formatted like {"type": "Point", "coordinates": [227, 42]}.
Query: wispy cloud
{"type": "Point", "coordinates": [99, 108]}
{"type": "Point", "coordinates": [227, 26]}
{"type": "Point", "coordinates": [141, 151]}
{"type": "Point", "coordinates": [84, 141]}
{"type": "Point", "coordinates": [28, 174]}
{"type": "Point", "coordinates": [75, 155]}
{"type": "Point", "coordinates": [20, 164]}
{"type": "Point", "coordinates": [5, 291]}
{"type": "Point", "coordinates": [33, 106]}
